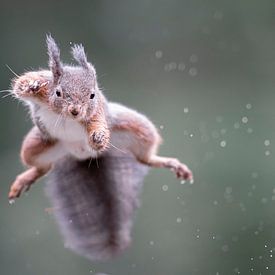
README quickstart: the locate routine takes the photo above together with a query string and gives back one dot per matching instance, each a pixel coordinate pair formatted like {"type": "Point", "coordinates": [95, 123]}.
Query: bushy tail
{"type": "Point", "coordinates": [94, 202]}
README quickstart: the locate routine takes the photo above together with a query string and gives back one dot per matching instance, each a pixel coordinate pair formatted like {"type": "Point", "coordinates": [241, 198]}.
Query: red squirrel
{"type": "Point", "coordinates": [95, 152]}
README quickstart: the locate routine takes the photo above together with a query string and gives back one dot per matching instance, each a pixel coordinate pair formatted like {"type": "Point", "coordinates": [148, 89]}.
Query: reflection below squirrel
{"type": "Point", "coordinates": [95, 152]}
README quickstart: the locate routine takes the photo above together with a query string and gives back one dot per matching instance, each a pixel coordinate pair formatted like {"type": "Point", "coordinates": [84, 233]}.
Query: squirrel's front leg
{"type": "Point", "coordinates": [37, 153]}
{"type": "Point", "coordinates": [98, 133]}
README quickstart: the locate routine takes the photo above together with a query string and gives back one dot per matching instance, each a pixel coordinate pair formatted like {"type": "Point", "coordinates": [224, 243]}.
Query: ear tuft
{"type": "Point", "coordinates": [80, 56]}
{"type": "Point", "coordinates": [54, 58]}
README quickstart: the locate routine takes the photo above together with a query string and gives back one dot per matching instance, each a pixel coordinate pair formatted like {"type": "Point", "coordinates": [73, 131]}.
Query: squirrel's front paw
{"type": "Point", "coordinates": [30, 84]}
{"type": "Point", "coordinates": [99, 141]}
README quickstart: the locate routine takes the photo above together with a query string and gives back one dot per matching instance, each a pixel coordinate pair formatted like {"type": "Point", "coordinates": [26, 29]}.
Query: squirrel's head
{"type": "Point", "coordinates": [68, 90]}
{"type": "Point", "coordinates": [74, 90]}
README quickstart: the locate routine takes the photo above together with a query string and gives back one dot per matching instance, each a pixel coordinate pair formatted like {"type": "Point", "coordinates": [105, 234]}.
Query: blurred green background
{"type": "Point", "coordinates": [204, 72]}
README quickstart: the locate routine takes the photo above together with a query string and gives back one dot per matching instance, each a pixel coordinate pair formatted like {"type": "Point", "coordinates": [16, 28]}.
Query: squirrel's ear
{"type": "Point", "coordinates": [54, 59]}
{"type": "Point", "coordinates": [79, 55]}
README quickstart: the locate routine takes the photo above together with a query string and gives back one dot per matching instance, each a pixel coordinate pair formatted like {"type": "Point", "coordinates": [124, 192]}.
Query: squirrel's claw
{"type": "Point", "coordinates": [35, 85]}
{"type": "Point", "coordinates": [181, 170]}
{"type": "Point", "coordinates": [17, 188]}
{"type": "Point", "coordinates": [30, 84]}
{"type": "Point", "coordinates": [99, 140]}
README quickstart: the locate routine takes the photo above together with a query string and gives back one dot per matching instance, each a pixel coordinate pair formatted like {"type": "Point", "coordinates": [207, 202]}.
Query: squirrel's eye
{"type": "Point", "coordinates": [58, 93]}
{"type": "Point", "coordinates": [92, 96]}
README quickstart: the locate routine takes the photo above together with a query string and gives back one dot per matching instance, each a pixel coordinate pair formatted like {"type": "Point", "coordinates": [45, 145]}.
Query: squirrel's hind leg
{"type": "Point", "coordinates": [180, 169]}
{"type": "Point", "coordinates": [140, 136]}
{"type": "Point", "coordinates": [38, 153]}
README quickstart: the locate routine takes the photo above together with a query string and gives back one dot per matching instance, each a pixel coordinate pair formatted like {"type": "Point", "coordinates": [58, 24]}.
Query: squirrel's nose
{"type": "Point", "coordinates": [74, 111]}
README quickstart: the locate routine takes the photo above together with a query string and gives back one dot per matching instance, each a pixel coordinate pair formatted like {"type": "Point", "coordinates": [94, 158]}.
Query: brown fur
{"type": "Point", "coordinates": [22, 84]}
{"type": "Point", "coordinates": [33, 146]}
{"type": "Point", "coordinates": [94, 200]}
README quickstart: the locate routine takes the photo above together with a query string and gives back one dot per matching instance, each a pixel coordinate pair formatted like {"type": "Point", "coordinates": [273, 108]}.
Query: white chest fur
{"type": "Point", "coordinates": [70, 133]}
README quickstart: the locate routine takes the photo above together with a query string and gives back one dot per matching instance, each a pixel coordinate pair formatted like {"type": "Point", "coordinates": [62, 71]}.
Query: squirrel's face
{"type": "Point", "coordinates": [71, 91]}
{"type": "Point", "coordinates": [74, 91]}
{"type": "Point", "coordinates": [75, 95]}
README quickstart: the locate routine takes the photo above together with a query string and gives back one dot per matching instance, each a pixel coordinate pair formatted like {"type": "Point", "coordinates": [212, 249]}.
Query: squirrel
{"type": "Point", "coordinates": [96, 154]}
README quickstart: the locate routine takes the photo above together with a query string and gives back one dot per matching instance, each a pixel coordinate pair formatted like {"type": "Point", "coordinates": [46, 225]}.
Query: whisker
{"type": "Point", "coordinates": [96, 160]}
{"type": "Point", "coordinates": [57, 121]}
{"type": "Point", "coordinates": [90, 162]}
{"type": "Point", "coordinates": [117, 148]}
{"type": "Point", "coordinates": [5, 91]}
{"type": "Point", "coordinates": [8, 95]}
{"type": "Point", "coordinates": [12, 70]}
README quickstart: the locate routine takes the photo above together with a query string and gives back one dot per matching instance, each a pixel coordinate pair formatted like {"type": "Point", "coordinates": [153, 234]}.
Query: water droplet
{"type": "Point", "coordinates": [170, 66]}
{"type": "Point", "coordinates": [248, 106]}
{"type": "Point", "coordinates": [151, 242]}
{"type": "Point", "coordinates": [228, 190]}
{"type": "Point", "coordinates": [225, 248]}
{"type": "Point", "coordinates": [186, 110]}
{"type": "Point", "coordinates": [244, 119]}
{"type": "Point", "coordinates": [237, 125]}
{"type": "Point", "coordinates": [254, 175]}
{"type": "Point", "coordinates": [194, 58]}
{"type": "Point", "coordinates": [223, 131]}
{"type": "Point", "coordinates": [264, 200]}
{"type": "Point", "coordinates": [165, 187]}
{"type": "Point", "coordinates": [191, 135]}
{"type": "Point", "coordinates": [179, 220]}
{"type": "Point", "coordinates": [249, 130]}
{"type": "Point", "coordinates": [181, 66]}
{"type": "Point", "coordinates": [161, 127]}
{"type": "Point", "coordinates": [267, 153]}
{"type": "Point", "coordinates": [11, 201]}
{"type": "Point", "coordinates": [215, 202]}
{"type": "Point", "coordinates": [173, 65]}
{"type": "Point", "coordinates": [182, 181]}
{"type": "Point", "coordinates": [267, 142]}
{"type": "Point", "coordinates": [219, 119]}
{"type": "Point", "coordinates": [192, 181]}
{"type": "Point", "coordinates": [158, 54]}
{"type": "Point", "coordinates": [223, 143]}
{"type": "Point", "coordinates": [193, 71]}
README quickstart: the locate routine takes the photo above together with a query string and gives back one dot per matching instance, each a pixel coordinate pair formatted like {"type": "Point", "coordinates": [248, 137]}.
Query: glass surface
{"type": "Point", "coordinates": [203, 72]}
